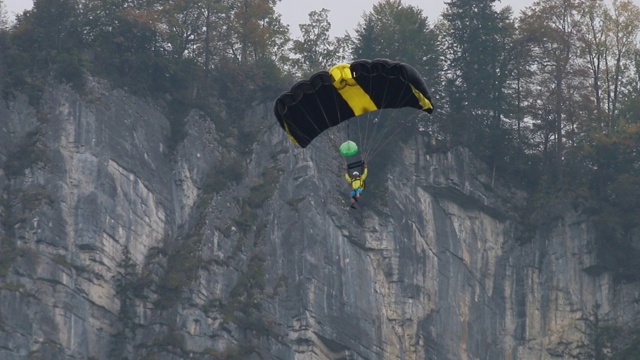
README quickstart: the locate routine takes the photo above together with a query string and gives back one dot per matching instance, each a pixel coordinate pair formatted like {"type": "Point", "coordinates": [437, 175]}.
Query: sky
{"type": "Point", "coordinates": [17, 6]}
{"type": "Point", "coordinates": [344, 15]}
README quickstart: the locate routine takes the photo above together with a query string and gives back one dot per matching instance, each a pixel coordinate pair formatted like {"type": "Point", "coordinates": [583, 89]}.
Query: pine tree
{"type": "Point", "coordinates": [399, 32]}
{"type": "Point", "coordinates": [479, 55]}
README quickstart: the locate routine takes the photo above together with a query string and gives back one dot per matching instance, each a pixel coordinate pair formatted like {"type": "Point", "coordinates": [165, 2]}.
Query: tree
{"type": "Point", "coordinates": [400, 32]}
{"type": "Point", "coordinates": [316, 50]}
{"type": "Point", "coordinates": [49, 39]}
{"type": "Point", "coordinates": [4, 45]}
{"type": "Point", "coordinates": [51, 26]}
{"type": "Point", "coordinates": [183, 22]}
{"type": "Point", "coordinates": [479, 55]}
{"type": "Point", "coordinates": [624, 28]}
{"type": "Point", "coordinates": [607, 41]}
{"type": "Point", "coordinates": [630, 102]}
{"type": "Point", "coordinates": [205, 48]}
{"type": "Point", "coordinates": [250, 28]}
{"type": "Point", "coordinates": [598, 334]}
{"type": "Point", "coordinates": [251, 38]}
{"type": "Point", "coordinates": [551, 30]}
{"type": "Point", "coordinates": [593, 40]}
{"type": "Point", "coordinates": [4, 20]}
{"type": "Point", "coordinates": [125, 281]}
{"type": "Point", "coordinates": [127, 44]}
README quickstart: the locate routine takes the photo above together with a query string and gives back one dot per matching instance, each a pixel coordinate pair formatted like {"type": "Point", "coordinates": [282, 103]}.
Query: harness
{"type": "Point", "coordinates": [363, 184]}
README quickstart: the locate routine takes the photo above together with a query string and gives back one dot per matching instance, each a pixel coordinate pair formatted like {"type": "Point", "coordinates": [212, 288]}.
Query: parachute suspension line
{"type": "Point", "coordinates": [309, 117]}
{"type": "Point", "coordinates": [404, 122]}
{"type": "Point", "coordinates": [382, 125]}
{"type": "Point", "coordinates": [336, 98]}
{"type": "Point", "coordinates": [361, 141]}
{"type": "Point", "coordinates": [362, 148]}
{"type": "Point", "coordinates": [380, 130]}
{"type": "Point", "coordinates": [298, 129]}
{"type": "Point", "coordinates": [348, 130]}
{"type": "Point", "coordinates": [383, 136]}
{"type": "Point", "coordinates": [361, 138]}
{"type": "Point", "coordinates": [332, 140]}
{"type": "Point", "coordinates": [395, 132]}
{"type": "Point", "coordinates": [365, 141]}
{"type": "Point", "coordinates": [376, 133]}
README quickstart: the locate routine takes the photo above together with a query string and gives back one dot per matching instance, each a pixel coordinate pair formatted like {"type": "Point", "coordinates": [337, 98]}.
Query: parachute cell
{"type": "Point", "coordinates": [328, 98]}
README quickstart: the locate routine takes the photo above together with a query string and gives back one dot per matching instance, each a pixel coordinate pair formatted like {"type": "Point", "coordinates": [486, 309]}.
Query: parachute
{"type": "Point", "coordinates": [346, 91]}
{"type": "Point", "coordinates": [348, 148]}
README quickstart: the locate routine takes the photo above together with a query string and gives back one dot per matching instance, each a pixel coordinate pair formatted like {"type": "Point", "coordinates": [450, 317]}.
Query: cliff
{"type": "Point", "coordinates": [120, 239]}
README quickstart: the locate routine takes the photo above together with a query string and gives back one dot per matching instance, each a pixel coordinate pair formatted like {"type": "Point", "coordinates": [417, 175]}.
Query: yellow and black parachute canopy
{"type": "Point", "coordinates": [328, 98]}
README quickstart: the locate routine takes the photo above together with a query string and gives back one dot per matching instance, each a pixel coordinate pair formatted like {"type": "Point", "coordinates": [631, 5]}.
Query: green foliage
{"type": "Point", "coordinates": [599, 332]}
{"type": "Point", "coordinates": [12, 286]}
{"type": "Point", "coordinates": [27, 202]}
{"type": "Point", "coordinates": [606, 339]}
{"type": "Point", "coordinates": [228, 171]}
{"type": "Point", "coordinates": [171, 339]}
{"type": "Point", "coordinates": [281, 285]}
{"type": "Point", "coordinates": [232, 352]}
{"type": "Point", "coordinates": [263, 190]}
{"type": "Point", "coordinates": [251, 284]}
{"type": "Point", "coordinates": [24, 202]}
{"type": "Point", "coordinates": [9, 253]}
{"type": "Point", "coordinates": [182, 268]}
{"type": "Point", "coordinates": [316, 50]}
{"type": "Point", "coordinates": [241, 85]}
{"type": "Point", "coordinates": [177, 114]}
{"type": "Point", "coordinates": [62, 261]}
{"type": "Point", "coordinates": [478, 41]}
{"type": "Point", "coordinates": [120, 41]}
{"type": "Point", "coordinates": [118, 345]}
{"type": "Point", "coordinates": [630, 350]}
{"type": "Point", "coordinates": [401, 32]}
{"type": "Point", "coordinates": [28, 153]}
{"type": "Point", "coordinates": [70, 69]}
{"type": "Point", "coordinates": [48, 40]}
{"type": "Point", "coordinates": [614, 180]}
{"type": "Point", "coordinates": [4, 20]}
{"type": "Point", "coordinates": [244, 306]}
{"type": "Point", "coordinates": [127, 288]}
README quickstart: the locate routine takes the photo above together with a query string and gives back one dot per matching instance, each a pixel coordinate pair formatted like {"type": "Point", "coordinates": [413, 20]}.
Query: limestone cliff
{"type": "Point", "coordinates": [117, 243]}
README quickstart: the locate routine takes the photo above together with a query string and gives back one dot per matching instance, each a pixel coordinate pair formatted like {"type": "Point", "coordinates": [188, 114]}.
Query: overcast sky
{"type": "Point", "coordinates": [16, 6]}
{"type": "Point", "coordinates": [344, 15]}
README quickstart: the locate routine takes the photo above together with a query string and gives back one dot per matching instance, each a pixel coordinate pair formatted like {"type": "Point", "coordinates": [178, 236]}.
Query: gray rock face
{"type": "Point", "coordinates": [240, 246]}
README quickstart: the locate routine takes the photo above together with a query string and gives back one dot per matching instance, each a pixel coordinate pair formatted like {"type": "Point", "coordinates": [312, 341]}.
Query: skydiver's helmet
{"type": "Point", "coordinates": [355, 173]}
